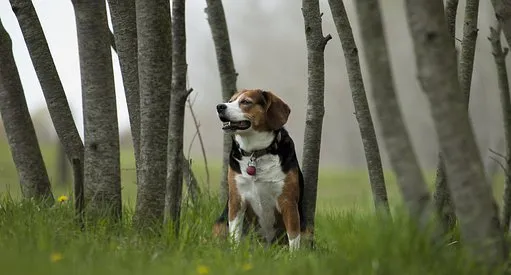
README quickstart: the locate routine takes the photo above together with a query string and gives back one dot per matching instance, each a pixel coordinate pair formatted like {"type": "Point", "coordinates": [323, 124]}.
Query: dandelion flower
{"type": "Point", "coordinates": [247, 266]}
{"type": "Point", "coordinates": [62, 198]}
{"type": "Point", "coordinates": [202, 270]}
{"type": "Point", "coordinates": [55, 257]}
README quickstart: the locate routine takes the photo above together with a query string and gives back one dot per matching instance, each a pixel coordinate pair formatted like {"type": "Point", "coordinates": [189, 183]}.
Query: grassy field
{"type": "Point", "coordinates": [350, 239]}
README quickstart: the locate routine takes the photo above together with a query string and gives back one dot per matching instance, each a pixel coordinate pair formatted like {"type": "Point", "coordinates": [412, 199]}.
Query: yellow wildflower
{"type": "Point", "coordinates": [202, 270]}
{"type": "Point", "coordinates": [55, 257]}
{"type": "Point", "coordinates": [62, 198]}
{"type": "Point", "coordinates": [247, 266]}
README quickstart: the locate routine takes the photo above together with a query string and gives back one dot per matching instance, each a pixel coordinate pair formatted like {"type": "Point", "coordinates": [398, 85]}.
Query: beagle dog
{"type": "Point", "coordinates": [264, 178]}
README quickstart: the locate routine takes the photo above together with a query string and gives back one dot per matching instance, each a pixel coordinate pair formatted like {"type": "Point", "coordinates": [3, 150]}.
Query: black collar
{"type": "Point", "coordinates": [257, 153]}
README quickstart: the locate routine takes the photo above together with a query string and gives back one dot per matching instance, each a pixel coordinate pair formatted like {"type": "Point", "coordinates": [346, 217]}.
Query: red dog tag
{"type": "Point", "coordinates": [251, 169]}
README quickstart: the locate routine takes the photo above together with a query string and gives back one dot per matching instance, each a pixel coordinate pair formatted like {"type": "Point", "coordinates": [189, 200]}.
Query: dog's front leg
{"type": "Point", "coordinates": [291, 217]}
{"type": "Point", "coordinates": [237, 209]}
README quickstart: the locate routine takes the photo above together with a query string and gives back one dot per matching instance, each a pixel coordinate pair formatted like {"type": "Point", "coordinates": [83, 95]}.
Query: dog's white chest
{"type": "Point", "coordinates": [262, 190]}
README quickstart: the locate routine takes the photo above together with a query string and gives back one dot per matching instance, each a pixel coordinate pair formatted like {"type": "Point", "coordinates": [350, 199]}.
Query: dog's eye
{"type": "Point", "coordinates": [245, 102]}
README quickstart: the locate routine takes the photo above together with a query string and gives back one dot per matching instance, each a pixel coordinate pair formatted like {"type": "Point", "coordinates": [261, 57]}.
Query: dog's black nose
{"type": "Point", "coordinates": [221, 107]}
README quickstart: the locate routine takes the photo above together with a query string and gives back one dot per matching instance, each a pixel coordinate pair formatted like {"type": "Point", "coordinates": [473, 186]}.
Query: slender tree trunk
{"type": "Point", "coordinates": [441, 195]}
{"type": "Point", "coordinates": [154, 71]}
{"type": "Point", "coordinates": [500, 61]}
{"type": "Point", "coordinates": [451, 9]}
{"type": "Point", "coordinates": [395, 134]}
{"type": "Point", "coordinates": [362, 111]}
{"type": "Point", "coordinates": [503, 13]}
{"type": "Point", "coordinates": [316, 44]}
{"type": "Point", "coordinates": [19, 128]}
{"type": "Point", "coordinates": [228, 75]}
{"type": "Point", "coordinates": [125, 33]}
{"type": "Point", "coordinates": [178, 97]}
{"type": "Point", "coordinates": [102, 180]}
{"type": "Point", "coordinates": [49, 79]}
{"type": "Point", "coordinates": [437, 72]}
{"type": "Point", "coordinates": [443, 198]}
{"type": "Point", "coordinates": [468, 47]}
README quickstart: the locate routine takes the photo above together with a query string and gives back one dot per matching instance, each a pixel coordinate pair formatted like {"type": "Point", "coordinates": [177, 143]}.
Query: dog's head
{"type": "Point", "coordinates": [253, 110]}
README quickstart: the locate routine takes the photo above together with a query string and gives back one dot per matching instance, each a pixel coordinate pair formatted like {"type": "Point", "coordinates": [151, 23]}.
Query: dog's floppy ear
{"type": "Point", "coordinates": [277, 111]}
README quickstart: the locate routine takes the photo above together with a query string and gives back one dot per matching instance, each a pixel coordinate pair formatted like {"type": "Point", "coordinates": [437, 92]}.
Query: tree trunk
{"type": "Point", "coordinates": [451, 9]}
{"type": "Point", "coordinates": [443, 198]}
{"type": "Point", "coordinates": [102, 180]}
{"type": "Point", "coordinates": [441, 195]}
{"type": "Point", "coordinates": [437, 72]}
{"type": "Point", "coordinates": [395, 134]}
{"type": "Point", "coordinates": [178, 97]}
{"type": "Point", "coordinates": [19, 128]}
{"type": "Point", "coordinates": [316, 43]}
{"type": "Point", "coordinates": [228, 75]}
{"type": "Point", "coordinates": [155, 70]}
{"type": "Point", "coordinates": [125, 34]}
{"type": "Point", "coordinates": [362, 111]}
{"type": "Point", "coordinates": [49, 79]}
{"type": "Point", "coordinates": [503, 13]}
{"type": "Point", "coordinates": [468, 47]}
{"type": "Point", "coordinates": [500, 61]}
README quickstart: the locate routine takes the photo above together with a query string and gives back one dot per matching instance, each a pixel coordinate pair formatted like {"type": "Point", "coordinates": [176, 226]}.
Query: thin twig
{"type": "Point", "coordinates": [500, 164]}
{"type": "Point", "coordinates": [201, 141]}
{"type": "Point", "coordinates": [497, 153]}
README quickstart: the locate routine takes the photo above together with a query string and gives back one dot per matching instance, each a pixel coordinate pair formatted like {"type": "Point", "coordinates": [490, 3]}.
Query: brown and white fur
{"type": "Point", "coordinates": [269, 201]}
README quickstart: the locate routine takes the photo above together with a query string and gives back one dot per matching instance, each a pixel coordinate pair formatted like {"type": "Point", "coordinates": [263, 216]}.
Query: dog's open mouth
{"type": "Point", "coordinates": [235, 125]}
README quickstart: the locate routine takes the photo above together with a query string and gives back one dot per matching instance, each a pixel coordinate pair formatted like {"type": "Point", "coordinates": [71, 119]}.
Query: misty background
{"type": "Point", "coordinates": [269, 51]}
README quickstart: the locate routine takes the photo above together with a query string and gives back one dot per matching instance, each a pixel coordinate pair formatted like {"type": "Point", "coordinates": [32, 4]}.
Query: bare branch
{"type": "Point", "coordinates": [201, 141]}
{"type": "Point", "coordinates": [497, 153]}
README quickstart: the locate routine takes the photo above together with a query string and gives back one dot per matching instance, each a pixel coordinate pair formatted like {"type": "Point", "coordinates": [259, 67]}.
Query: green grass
{"type": "Point", "coordinates": [348, 243]}
{"type": "Point", "coordinates": [351, 240]}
